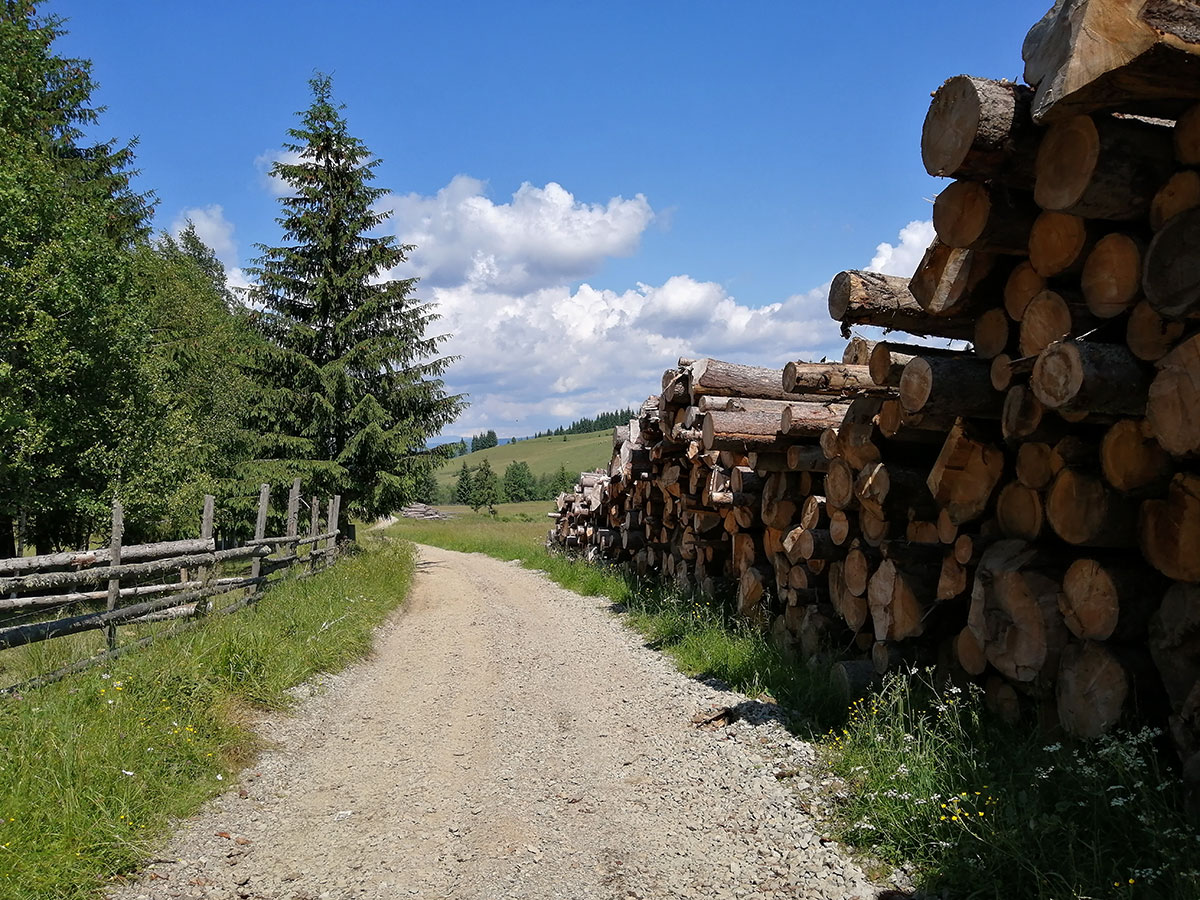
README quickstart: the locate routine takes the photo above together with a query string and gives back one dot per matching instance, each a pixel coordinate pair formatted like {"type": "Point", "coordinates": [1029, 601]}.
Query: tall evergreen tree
{"type": "Point", "coordinates": [464, 487]}
{"type": "Point", "coordinates": [353, 381]}
{"type": "Point", "coordinates": [486, 491]}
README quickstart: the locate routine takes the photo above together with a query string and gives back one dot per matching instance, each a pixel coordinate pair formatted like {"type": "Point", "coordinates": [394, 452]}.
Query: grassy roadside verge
{"type": "Point", "coordinates": [981, 809]}
{"type": "Point", "coordinates": [93, 768]}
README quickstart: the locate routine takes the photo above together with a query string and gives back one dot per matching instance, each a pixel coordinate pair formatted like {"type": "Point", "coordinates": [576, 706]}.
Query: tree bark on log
{"type": "Point", "coordinates": [1089, 55]}
{"type": "Point", "coordinates": [888, 359]}
{"type": "Point", "coordinates": [980, 129]}
{"type": "Point", "coordinates": [1175, 642]}
{"type": "Point", "coordinates": [801, 377]}
{"type": "Point", "coordinates": [806, 458]}
{"type": "Point", "coordinates": [947, 281]}
{"type": "Point", "coordinates": [954, 386]}
{"type": "Point", "coordinates": [724, 379]}
{"type": "Point", "coordinates": [885, 301]}
{"type": "Point", "coordinates": [1179, 194]}
{"type": "Point", "coordinates": [1089, 377]}
{"type": "Point", "coordinates": [897, 600]}
{"type": "Point", "coordinates": [809, 420]}
{"type": "Point", "coordinates": [1050, 317]}
{"type": "Point", "coordinates": [1100, 167]}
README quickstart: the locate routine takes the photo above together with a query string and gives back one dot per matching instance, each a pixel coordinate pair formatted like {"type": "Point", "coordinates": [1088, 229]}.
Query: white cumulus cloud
{"type": "Point", "coordinates": [211, 227]}
{"type": "Point", "coordinates": [902, 258]}
{"type": "Point", "coordinates": [264, 162]}
{"type": "Point", "coordinates": [543, 236]}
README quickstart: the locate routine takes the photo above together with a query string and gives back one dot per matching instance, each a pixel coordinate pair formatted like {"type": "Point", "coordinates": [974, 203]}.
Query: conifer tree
{"type": "Point", "coordinates": [486, 489]}
{"type": "Point", "coordinates": [464, 488]}
{"type": "Point", "coordinates": [353, 386]}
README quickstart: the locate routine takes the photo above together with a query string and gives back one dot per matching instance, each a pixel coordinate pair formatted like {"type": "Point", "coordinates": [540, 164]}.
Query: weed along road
{"type": "Point", "coordinates": [510, 739]}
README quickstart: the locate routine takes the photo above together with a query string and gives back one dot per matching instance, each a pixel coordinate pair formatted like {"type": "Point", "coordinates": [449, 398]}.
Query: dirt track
{"type": "Point", "coordinates": [509, 739]}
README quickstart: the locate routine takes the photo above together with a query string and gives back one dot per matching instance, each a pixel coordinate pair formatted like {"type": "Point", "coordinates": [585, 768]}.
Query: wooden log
{"type": "Point", "coordinates": [947, 528]}
{"type": "Point", "coordinates": [842, 527]}
{"type": "Point", "coordinates": [1090, 377]}
{"type": "Point", "coordinates": [993, 333]}
{"type": "Point", "coordinates": [1059, 244]}
{"type": "Point", "coordinates": [1091, 691]}
{"type": "Point", "coordinates": [806, 458]}
{"type": "Point", "coordinates": [853, 679]}
{"type": "Point", "coordinates": [1169, 530]}
{"type": "Point", "coordinates": [1132, 460]}
{"type": "Point", "coordinates": [980, 129]}
{"type": "Point", "coordinates": [953, 580]}
{"type": "Point", "coordinates": [1112, 275]}
{"type": "Point", "coordinates": [868, 298]}
{"type": "Point", "coordinates": [947, 279]}
{"type": "Point", "coordinates": [1019, 512]}
{"type": "Point", "coordinates": [1035, 465]}
{"type": "Point", "coordinates": [1014, 611]}
{"type": "Point", "coordinates": [813, 513]}
{"type": "Point", "coordinates": [752, 586]}
{"type": "Point", "coordinates": [919, 531]}
{"type": "Point", "coordinates": [860, 562]}
{"type": "Point", "coordinates": [1149, 335]}
{"type": "Point", "coordinates": [1002, 700]}
{"type": "Point", "coordinates": [1023, 284]}
{"type": "Point", "coordinates": [1091, 55]}
{"type": "Point", "coordinates": [1172, 267]}
{"type": "Point", "coordinates": [857, 352]}
{"type": "Point", "coordinates": [1175, 642]}
{"type": "Point", "coordinates": [888, 359]}
{"type": "Point", "coordinates": [964, 475]}
{"type": "Point", "coordinates": [77, 559]}
{"type": "Point", "coordinates": [1179, 194]}
{"type": "Point", "coordinates": [873, 526]}
{"type": "Point", "coordinates": [1101, 167]}
{"type": "Point", "coordinates": [851, 607]}
{"type": "Point", "coordinates": [815, 543]}
{"type": "Point", "coordinates": [743, 431]}
{"type": "Point", "coordinates": [808, 420]}
{"type": "Point", "coordinates": [892, 491]}
{"type": "Point", "coordinates": [1004, 370]}
{"type": "Point", "coordinates": [969, 652]}
{"type": "Point", "coordinates": [974, 215]}
{"type": "Point", "coordinates": [802, 377]}
{"type": "Point", "coordinates": [43, 601]}
{"type": "Point", "coordinates": [1173, 401]}
{"type": "Point", "coordinates": [897, 600]}
{"type": "Point", "coordinates": [708, 404]}
{"type": "Point", "coordinates": [897, 423]}
{"type": "Point", "coordinates": [1105, 600]}
{"type": "Point", "coordinates": [956, 386]}
{"type": "Point", "coordinates": [1050, 317]}
{"type": "Point", "coordinates": [779, 497]}
{"type": "Point", "coordinates": [1084, 511]}
{"type": "Point", "coordinates": [724, 379]}
{"type": "Point", "coordinates": [765, 463]}
{"type": "Point", "coordinates": [839, 485]}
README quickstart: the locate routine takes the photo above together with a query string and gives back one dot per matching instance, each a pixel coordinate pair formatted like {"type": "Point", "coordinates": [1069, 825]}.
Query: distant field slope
{"type": "Point", "coordinates": [578, 453]}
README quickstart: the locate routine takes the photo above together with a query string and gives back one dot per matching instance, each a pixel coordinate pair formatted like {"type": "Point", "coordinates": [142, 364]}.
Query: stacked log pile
{"type": "Point", "coordinates": [1025, 512]}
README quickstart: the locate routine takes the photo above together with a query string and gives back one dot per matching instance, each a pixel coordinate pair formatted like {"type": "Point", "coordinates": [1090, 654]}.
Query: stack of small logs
{"type": "Point", "coordinates": [1026, 511]}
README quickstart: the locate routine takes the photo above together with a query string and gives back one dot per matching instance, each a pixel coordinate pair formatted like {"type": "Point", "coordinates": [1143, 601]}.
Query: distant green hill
{"type": "Point", "coordinates": [578, 453]}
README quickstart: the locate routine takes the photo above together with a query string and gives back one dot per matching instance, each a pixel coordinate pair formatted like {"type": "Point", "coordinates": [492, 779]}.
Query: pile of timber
{"type": "Point", "coordinates": [1025, 512]}
{"type": "Point", "coordinates": [423, 511]}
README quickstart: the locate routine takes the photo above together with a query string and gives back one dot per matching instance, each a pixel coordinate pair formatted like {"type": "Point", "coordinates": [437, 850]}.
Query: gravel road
{"type": "Point", "coordinates": [510, 739]}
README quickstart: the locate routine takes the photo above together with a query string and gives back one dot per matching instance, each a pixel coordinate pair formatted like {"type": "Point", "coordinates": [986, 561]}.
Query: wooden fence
{"type": "Point", "coordinates": [61, 594]}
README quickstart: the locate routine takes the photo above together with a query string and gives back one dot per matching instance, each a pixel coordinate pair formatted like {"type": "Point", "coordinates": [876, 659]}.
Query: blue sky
{"type": "Point", "coordinates": [694, 173]}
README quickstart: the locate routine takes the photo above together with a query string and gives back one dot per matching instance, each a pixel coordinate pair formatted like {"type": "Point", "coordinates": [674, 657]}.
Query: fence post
{"type": "Point", "coordinates": [330, 520]}
{"type": "Point", "coordinates": [114, 584]}
{"type": "Point", "coordinates": [206, 532]}
{"type": "Point", "coordinates": [314, 524]}
{"type": "Point", "coordinates": [293, 519]}
{"type": "Point", "coordinates": [260, 532]}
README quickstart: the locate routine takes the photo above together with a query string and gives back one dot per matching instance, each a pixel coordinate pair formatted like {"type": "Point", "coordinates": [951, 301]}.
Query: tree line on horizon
{"type": "Point", "coordinates": [130, 370]}
{"type": "Point", "coordinates": [482, 487]}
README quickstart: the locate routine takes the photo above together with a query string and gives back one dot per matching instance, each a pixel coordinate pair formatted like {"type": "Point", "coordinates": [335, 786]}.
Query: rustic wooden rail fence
{"type": "Point", "coordinates": [59, 594]}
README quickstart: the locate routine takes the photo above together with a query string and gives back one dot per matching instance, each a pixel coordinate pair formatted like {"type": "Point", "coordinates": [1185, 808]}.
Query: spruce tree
{"type": "Point", "coordinates": [352, 382]}
{"type": "Point", "coordinates": [464, 488]}
{"type": "Point", "coordinates": [487, 488]}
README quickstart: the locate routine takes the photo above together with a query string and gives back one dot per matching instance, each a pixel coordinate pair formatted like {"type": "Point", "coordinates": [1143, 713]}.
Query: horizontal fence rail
{"type": "Point", "coordinates": [177, 583]}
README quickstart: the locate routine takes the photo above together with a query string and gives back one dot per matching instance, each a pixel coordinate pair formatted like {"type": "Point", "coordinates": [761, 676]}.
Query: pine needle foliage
{"type": "Point", "coordinates": [352, 383]}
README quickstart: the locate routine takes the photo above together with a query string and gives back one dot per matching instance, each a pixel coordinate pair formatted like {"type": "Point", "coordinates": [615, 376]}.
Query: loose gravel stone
{"type": "Point", "coordinates": [510, 739]}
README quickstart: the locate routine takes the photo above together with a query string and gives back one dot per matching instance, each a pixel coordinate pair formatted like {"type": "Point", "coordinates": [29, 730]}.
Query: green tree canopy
{"type": "Point", "coordinates": [464, 487]}
{"type": "Point", "coordinates": [519, 483]}
{"type": "Point", "coordinates": [486, 488]}
{"type": "Point", "coordinates": [352, 382]}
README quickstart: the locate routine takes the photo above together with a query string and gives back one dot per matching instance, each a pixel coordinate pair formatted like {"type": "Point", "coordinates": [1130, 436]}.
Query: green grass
{"type": "Point", "coordinates": [95, 766]}
{"type": "Point", "coordinates": [578, 453]}
{"type": "Point", "coordinates": [1060, 820]}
